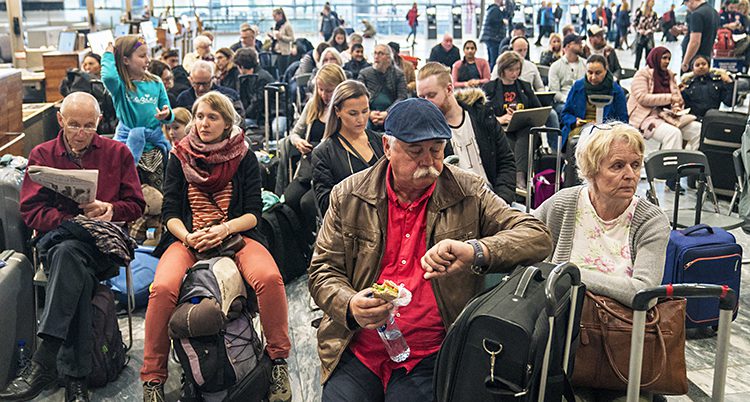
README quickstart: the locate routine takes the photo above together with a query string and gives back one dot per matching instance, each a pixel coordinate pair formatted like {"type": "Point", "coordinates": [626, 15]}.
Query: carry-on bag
{"type": "Point", "coordinates": [514, 341]}
{"type": "Point", "coordinates": [727, 300]}
{"type": "Point", "coordinates": [535, 181]}
{"type": "Point", "coordinates": [18, 317]}
{"type": "Point", "coordinates": [14, 235]}
{"type": "Point", "coordinates": [721, 134]}
{"type": "Point", "coordinates": [702, 254]}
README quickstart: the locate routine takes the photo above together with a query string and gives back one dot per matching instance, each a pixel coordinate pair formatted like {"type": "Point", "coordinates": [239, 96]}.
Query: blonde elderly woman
{"type": "Point", "coordinates": [618, 239]}
{"type": "Point", "coordinates": [201, 51]}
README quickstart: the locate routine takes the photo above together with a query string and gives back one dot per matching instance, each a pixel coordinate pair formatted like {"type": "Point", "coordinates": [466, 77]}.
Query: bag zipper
{"type": "Point", "coordinates": [718, 257]}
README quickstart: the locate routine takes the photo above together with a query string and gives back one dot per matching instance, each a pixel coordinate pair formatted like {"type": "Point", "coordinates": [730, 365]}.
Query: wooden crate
{"type": "Point", "coordinates": [56, 65]}
{"type": "Point", "coordinates": [11, 106]}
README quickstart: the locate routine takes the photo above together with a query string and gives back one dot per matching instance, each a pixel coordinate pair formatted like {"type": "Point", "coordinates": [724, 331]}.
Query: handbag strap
{"type": "Point", "coordinates": [608, 350]}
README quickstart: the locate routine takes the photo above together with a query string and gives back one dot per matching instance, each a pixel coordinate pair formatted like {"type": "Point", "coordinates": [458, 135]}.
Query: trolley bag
{"type": "Point", "coordinates": [727, 299]}
{"type": "Point", "coordinates": [702, 254]}
{"type": "Point", "coordinates": [513, 342]}
{"type": "Point", "coordinates": [14, 235]}
{"type": "Point", "coordinates": [17, 320]}
{"type": "Point", "coordinates": [276, 112]}
{"type": "Point", "coordinates": [721, 134]}
{"type": "Point", "coordinates": [546, 181]}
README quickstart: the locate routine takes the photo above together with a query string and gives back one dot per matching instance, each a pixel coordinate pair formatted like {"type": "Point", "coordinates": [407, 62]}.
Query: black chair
{"type": "Point", "coordinates": [665, 165]}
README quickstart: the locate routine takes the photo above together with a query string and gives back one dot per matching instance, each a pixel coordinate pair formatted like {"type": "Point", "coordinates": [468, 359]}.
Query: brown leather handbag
{"type": "Point", "coordinates": [604, 352]}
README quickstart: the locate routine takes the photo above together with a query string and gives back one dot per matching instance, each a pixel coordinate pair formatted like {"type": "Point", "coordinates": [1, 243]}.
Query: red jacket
{"type": "Point", "coordinates": [43, 209]}
{"type": "Point", "coordinates": [412, 16]}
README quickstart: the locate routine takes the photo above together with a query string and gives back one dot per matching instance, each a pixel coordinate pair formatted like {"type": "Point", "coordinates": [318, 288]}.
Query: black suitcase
{"type": "Point", "coordinates": [14, 235]}
{"type": "Point", "coordinates": [721, 134]}
{"type": "Point", "coordinates": [513, 342]}
{"type": "Point", "coordinates": [541, 160]}
{"type": "Point", "coordinates": [18, 317]}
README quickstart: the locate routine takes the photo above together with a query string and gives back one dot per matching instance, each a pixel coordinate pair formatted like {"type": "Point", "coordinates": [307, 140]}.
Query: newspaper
{"type": "Point", "coordinates": [77, 184]}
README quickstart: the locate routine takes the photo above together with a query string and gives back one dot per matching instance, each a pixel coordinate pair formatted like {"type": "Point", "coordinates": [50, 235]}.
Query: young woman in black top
{"type": "Point", "coordinates": [506, 94]}
{"type": "Point", "coordinates": [306, 135]}
{"type": "Point", "coordinates": [347, 147]}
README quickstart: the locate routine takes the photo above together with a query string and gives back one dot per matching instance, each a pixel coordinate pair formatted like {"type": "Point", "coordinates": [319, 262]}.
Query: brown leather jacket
{"type": "Point", "coordinates": [351, 243]}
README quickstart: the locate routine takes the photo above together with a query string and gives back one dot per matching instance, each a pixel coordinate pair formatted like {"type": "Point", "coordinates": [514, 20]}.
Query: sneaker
{"type": "Point", "coordinates": [153, 391]}
{"type": "Point", "coordinates": [280, 390]}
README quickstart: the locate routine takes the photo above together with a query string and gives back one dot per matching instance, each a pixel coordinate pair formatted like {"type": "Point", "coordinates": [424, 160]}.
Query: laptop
{"type": "Point", "coordinates": [524, 118]}
{"type": "Point", "coordinates": [122, 30]}
{"type": "Point", "coordinates": [545, 98]}
{"type": "Point", "coordinates": [67, 41]}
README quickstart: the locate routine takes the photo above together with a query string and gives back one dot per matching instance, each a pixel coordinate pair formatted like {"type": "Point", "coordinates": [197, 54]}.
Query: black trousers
{"type": "Point", "coordinates": [638, 49]}
{"type": "Point", "coordinates": [519, 142]}
{"type": "Point", "coordinates": [72, 272]}
{"type": "Point", "coordinates": [353, 381]}
{"type": "Point", "coordinates": [301, 198]}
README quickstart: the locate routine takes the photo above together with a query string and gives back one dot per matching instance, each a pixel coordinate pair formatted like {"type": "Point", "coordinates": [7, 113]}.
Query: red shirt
{"type": "Point", "coordinates": [43, 209]}
{"type": "Point", "coordinates": [420, 321]}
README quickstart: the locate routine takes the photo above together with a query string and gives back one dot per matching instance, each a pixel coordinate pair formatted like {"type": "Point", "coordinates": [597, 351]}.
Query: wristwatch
{"type": "Point", "coordinates": [479, 266]}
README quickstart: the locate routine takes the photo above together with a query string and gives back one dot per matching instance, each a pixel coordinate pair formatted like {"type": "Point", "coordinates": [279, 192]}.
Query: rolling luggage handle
{"type": "Point", "coordinates": [277, 88]}
{"type": "Point", "coordinates": [684, 170]}
{"type": "Point", "coordinates": [727, 299]}
{"type": "Point", "coordinates": [561, 270]}
{"type": "Point", "coordinates": [530, 168]}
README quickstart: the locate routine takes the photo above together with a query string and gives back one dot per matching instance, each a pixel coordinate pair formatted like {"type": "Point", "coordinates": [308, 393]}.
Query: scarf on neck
{"type": "Point", "coordinates": [661, 77]}
{"type": "Point", "coordinates": [604, 88]}
{"type": "Point", "coordinates": [280, 23]}
{"type": "Point", "coordinates": [210, 167]}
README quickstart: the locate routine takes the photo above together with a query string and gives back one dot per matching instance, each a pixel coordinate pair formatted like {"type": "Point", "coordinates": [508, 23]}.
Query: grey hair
{"type": "Point", "coordinates": [201, 40]}
{"type": "Point", "coordinates": [202, 65]}
{"type": "Point", "coordinates": [79, 99]}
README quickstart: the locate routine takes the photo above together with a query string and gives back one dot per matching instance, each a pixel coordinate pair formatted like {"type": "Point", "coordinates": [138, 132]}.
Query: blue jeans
{"type": "Point", "coordinates": [353, 381]}
{"type": "Point", "coordinates": [493, 50]}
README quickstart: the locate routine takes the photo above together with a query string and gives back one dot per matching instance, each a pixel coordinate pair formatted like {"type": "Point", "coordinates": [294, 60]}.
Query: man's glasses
{"type": "Point", "coordinates": [88, 129]}
{"type": "Point", "coordinates": [380, 53]}
{"type": "Point", "coordinates": [202, 84]}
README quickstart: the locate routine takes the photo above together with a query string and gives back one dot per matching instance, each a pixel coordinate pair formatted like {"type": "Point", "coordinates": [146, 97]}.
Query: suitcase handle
{"type": "Point", "coordinates": [727, 296]}
{"type": "Point", "coordinates": [727, 300]}
{"type": "Point", "coordinates": [691, 230]}
{"type": "Point", "coordinates": [565, 269]}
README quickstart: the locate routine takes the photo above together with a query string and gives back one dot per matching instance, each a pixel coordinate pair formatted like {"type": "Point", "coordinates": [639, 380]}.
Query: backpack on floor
{"type": "Point", "coordinates": [108, 356]}
{"type": "Point", "coordinates": [281, 227]}
{"type": "Point", "coordinates": [143, 268]}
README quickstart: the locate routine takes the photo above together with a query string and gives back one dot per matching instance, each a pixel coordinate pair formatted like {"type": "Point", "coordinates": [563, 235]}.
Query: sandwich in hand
{"type": "Point", "coordinates": [388, 291]}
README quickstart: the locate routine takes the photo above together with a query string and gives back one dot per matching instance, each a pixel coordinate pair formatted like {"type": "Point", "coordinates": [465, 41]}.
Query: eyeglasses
{"type": "Point", "coordinates": [88, 129]}
{"type": "Point", "coordinates": [202, 84]}
{"type": "Point", "coordinates": [379, 53]}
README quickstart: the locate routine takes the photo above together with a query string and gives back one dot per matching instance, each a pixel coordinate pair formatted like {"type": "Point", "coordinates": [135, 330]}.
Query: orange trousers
{"type": "Point", "coordinates": [257, 268]}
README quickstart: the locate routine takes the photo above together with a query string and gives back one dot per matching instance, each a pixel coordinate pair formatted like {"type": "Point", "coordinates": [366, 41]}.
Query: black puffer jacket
{"type": "Point", "coordinates": [494, 149]}
{"type": "Point", "coordinates": [706, 92]}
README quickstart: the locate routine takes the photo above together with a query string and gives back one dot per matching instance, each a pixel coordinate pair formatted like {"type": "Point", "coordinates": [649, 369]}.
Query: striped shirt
{"type": "Point", "coordinates": [209, 209]}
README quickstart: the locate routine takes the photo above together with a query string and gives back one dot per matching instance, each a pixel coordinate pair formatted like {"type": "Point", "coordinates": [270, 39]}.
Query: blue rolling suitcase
{"type": "Point", "coordinates": [703, 254]}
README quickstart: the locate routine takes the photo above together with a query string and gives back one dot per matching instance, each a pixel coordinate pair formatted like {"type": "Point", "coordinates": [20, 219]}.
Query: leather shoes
{"type": "Point", "coordinates": [76, 390]}
{"type": "Point", "coordinates": [34, 379]}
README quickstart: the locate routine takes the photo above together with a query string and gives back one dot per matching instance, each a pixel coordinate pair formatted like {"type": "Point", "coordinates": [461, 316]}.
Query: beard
{"type": "Point", "coordinates": [425, 172]}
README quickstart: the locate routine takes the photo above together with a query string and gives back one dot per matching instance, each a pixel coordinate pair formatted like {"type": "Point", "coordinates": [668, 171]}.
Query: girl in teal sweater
{"type": "Point", "coordinates": [140, 98]}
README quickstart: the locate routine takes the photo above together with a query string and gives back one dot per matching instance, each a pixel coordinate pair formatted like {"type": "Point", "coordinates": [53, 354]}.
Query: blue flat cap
{"type": "Point", "coordinates": [415, 119]}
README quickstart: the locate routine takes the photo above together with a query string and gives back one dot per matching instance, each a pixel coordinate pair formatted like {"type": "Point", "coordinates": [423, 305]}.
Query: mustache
{"type": "Point", "coordinates": [423, 172]}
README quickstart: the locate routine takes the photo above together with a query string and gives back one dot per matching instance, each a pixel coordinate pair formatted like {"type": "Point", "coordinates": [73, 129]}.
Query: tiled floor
{"type": "Point", "coordinates": [304, 365]}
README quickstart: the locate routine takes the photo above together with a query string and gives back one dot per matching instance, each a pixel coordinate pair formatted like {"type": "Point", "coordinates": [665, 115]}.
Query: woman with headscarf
{"type": "Point", "coordinates": [656, 106]}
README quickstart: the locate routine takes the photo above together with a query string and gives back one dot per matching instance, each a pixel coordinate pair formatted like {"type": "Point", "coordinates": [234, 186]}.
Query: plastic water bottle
{"type": "Point", "coordinates": [24, 357]}
{"type": "Point", "coordinates": [394, 341]}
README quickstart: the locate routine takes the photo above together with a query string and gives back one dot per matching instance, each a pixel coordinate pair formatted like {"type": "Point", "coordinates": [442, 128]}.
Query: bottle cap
{"type": "Point", "coordinates": [21, 343]}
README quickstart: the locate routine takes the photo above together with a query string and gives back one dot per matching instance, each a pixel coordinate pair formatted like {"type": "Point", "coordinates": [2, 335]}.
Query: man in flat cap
{"type": "Point", "coordinates": [434, 228]}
